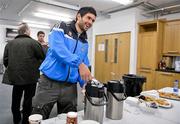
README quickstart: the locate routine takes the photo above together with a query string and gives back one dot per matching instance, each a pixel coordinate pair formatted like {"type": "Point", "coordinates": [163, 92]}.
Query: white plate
{"type": "Point", "coordinates": [143, 106]}
{"type": "Point", "coordinates": [151, 93]}
{"type": "Point", "coordinates": [166, 106]}
{"type": "Point", "coordinates": [89, 122]}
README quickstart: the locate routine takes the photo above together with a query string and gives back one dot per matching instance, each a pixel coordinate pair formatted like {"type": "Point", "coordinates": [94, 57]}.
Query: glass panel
{"type": "Point", "coordinates": [106, 50]}
{"type": "Point", "coordinates": [116, 50]}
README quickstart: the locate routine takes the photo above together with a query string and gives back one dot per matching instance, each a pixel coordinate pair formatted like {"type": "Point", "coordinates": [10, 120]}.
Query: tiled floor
{"type": "Point", "coordinates": [5, 103]}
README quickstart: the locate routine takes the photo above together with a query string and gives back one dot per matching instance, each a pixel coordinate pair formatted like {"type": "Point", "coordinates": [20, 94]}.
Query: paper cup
{"type": "Point", "coordinates": [71, 118]}
{"type": "Point", "coordinates": [35, 119]}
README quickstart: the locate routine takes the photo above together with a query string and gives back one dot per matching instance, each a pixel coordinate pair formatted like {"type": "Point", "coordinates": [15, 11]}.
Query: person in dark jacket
{"type": "Point", "coordinates": [40, 38]}
{"type": "Point", "coordinates": [22, 58]}
{"type": "Point", "coordinates": [66, 63]}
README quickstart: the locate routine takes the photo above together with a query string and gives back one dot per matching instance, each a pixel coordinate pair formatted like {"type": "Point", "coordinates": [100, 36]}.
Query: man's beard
{"type": "Point", "coordinates": [81, 26]}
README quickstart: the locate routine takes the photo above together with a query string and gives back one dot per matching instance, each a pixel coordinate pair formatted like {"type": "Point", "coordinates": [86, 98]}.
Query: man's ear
{"type": "Point", "coordinates": [78, 16]}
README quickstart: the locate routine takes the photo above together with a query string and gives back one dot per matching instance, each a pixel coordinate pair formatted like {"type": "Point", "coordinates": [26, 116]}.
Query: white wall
{"type": "Point", "coordinates": [3, 38]}
{"type": "Point", "coordinates": [124, 21]}
{"type": "Point", "coordinates": [90, 41]}
{"type": "Point", "coordinates": [172, 16]}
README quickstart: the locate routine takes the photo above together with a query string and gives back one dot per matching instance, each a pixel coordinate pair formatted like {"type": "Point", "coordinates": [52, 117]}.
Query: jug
{"type": "Point", "coordinates": [116, 95]}
{"type": "Point", "coordinates": [133, 84]}
{"type": "Point", "coordinates": [95, 99]}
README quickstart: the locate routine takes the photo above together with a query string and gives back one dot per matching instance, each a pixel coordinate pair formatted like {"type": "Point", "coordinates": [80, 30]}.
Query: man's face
{"type": "Point", "coordinates": [86, 21]}
{"type": "Point", "coordinates": [41, 37]}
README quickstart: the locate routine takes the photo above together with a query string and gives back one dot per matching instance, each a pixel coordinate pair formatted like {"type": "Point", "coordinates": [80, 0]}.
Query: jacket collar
{"type": "Point", "coordinates": [83, 35]}
{"type": "Point", "coordinates": [22, 36]}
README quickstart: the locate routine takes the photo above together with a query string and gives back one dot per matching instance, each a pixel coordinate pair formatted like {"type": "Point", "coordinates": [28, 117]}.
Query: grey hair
{"type": "Point", "coordinates": [23, 29]}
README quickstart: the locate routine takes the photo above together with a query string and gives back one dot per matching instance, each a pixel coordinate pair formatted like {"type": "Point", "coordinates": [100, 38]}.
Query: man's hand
{"type": "Point", "coordinates": [84, 72]}
{"type": "Point", "coordinates": [45, 44]}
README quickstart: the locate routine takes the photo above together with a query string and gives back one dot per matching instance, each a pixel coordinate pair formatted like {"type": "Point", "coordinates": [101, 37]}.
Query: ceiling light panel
{"type": "Point", "coordinates": [60, 4]}
{"type": "Point", "coordinates": [55, 13]}
{"type": "Point", "coordinates": [39, 26]}
{"type": "Point", "coordinates": [36, 24]}
{"type": "Point", "coordinates": [52, 17]}
{"type": "Point", "coordinates": [124, 2]}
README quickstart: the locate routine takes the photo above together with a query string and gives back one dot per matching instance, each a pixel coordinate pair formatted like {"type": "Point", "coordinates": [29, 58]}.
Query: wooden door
{"type": "Point", "coordinates": [149, 74]}
{"type": "Point", "coordinates": [120, 55]}
{"type": "Point", "coordinates": [147, 50]}
{"type": "Point", "coordinates": [164, 79]}
{"type": "Point", "coordinates": [102, 54]}
{"type": "Point", "coordinates": [112, 56]}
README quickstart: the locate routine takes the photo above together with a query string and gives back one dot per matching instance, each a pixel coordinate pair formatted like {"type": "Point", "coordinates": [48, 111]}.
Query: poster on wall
{"type": "Point", "coordinates": [11, 33]}
{"type": "Point", "coordinates": [101, 47]}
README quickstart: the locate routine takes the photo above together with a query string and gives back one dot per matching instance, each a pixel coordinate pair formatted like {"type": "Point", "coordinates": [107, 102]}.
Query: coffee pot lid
{"type": "Point", "coordinates": [115, 86]}
{"type": "Point", "coordinates": [95, 89]}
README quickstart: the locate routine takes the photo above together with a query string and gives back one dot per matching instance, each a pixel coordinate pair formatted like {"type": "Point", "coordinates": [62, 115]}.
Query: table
{"type": "Point", "coordinates": [133, 114]}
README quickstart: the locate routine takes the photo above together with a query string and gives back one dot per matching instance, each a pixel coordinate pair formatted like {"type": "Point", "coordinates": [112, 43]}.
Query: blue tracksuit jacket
{"type": "Point", "coordinates": [66, 52]}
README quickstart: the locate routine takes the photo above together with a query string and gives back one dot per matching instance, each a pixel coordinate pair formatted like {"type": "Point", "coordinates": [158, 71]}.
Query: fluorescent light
{"type": "Point", "coordinates": [37, 24]}
{"type": "Point", "coordinates": [57, 3]}
{"type": "Point", "coordinates": [52, 17]}
{"type": "Point", "coordinates": [124, 2]}
{"type": "Point", "coordinates": [54, 13]}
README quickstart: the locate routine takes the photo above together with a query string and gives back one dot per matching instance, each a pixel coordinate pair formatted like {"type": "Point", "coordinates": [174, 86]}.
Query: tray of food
{"type": "Point", "coordinates": [156, 102]}
{"type": "Point", "coordinates": [168, 95]}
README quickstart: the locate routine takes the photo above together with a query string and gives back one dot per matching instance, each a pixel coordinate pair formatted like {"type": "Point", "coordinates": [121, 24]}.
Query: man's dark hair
{"type": "Point", "coordinates": [84, 10]}
{"type": "Point", "coordinates": [40, 32]}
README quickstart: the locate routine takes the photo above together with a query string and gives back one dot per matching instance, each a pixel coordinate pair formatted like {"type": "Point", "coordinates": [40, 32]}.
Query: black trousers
{"type": "Point", "coordinates": [29, 92]}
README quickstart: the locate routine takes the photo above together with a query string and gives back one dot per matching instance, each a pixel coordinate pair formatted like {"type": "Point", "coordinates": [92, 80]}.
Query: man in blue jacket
{"type": "Point", "coordinates": [66, 63]}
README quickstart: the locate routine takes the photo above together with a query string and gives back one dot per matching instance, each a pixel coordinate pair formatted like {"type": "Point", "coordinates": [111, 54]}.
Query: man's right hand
{"type": "Point", "coordinates": [84, 72]}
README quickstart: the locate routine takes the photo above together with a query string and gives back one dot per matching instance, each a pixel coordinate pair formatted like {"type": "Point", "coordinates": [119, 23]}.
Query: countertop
{"type": "Point", "coordinates": [168, 70]}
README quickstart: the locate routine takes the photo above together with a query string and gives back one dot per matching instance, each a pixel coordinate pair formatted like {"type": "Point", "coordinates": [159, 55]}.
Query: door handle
{"type": "Point", "coordinates": [112, 73]}
{"type": "Point", "coordinates": [146, 71]}
{"type": "Point", "coordinates": [168, 74]}
{"type": "Point", "coordinates": [112, 61]}
{"type": "Point", "coordinates": [173, 52]}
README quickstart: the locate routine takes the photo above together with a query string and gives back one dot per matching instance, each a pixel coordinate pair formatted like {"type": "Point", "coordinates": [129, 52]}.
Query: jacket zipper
{"type": "Point", "coordinates": [69, 66]}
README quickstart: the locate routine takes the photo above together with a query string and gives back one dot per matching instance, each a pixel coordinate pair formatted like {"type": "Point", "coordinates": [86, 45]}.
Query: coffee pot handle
{"type": "Point", "coordinates": [118, 99]}
{"type": "Point", "coordinates": [95, 104]}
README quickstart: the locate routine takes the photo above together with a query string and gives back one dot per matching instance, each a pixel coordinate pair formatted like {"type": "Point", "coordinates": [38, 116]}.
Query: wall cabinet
{"type": "Point", "coordinates": [149, 50]}
{"type": "Point", "coordinates": [165, 79]}
{"type": "Point", "coordinates": [149, 44]}
{"type": "Point", "coordinates": [171, 38]}
{"type": "Point", "coordinates": [155, 39]}
{"type": "Point", "coordinates": [149, 74]}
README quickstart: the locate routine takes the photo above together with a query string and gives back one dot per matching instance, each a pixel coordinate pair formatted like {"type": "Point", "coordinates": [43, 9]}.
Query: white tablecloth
{"type": "Point", "coordinates": [133, 114]}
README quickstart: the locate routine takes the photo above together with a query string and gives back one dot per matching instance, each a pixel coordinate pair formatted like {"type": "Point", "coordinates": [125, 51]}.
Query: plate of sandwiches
{"type": "Point", "coordinates": [160, 102]}
{"type": "Point", "coordinates": [168, 95]}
